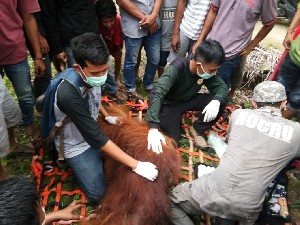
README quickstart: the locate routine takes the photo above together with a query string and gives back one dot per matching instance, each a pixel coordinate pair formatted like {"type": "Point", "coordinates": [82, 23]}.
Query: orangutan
{"type": "Point", "coordinates": [131, 199]}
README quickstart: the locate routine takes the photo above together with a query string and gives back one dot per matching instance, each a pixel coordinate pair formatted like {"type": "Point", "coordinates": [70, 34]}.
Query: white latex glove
{"type": "Point", "coordinates": [217, 143]}
{"type": "Point", "coordinates": [202, 169]}
{"type": "Point", "coordinates": [154, 140]}
{"type": "Point", "coordinates": [211, 110]}
{"type": "Point", "coordinates": [147, 170]}
{"type": "Point", "coordinates": [113, 120]}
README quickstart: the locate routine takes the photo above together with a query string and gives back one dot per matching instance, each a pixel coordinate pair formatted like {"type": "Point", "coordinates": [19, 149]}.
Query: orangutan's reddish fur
{"type": "Point", "coordinates": [131, 199]}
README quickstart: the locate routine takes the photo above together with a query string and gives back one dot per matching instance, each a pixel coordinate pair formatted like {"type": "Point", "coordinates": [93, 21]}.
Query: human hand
{"type": "Point", "coordinates": [211, 110]}
{"type": "Point", "coordinates": [147, 170]}
{"type": "Point", "coordinates": [39, 67]}
{"type": "Point", "coordinates": [68, 213]}
{"type": "Point", "coordinates": [147, 21]}
{"type": "Point", "coordinates": [154, 141]}
{"type": "Point", "coordinates": [195, 46]}
{"type": "Point", "coordinates": [153, 28]}
{"type": "Point", "coordinates": [247, 50]}
{"type": "Point", "coordinates": [65, 214]}
{"type": "Point", "coordinates": [113, 120]}
{"type": "Point", "coordinates": [287, 41]}
{"type": "Point", "coordinates": [175, 42]}
{"type": "Point", "coordinates": [62, 58]}
{"type": "Point", "coordinates": [44, 45]}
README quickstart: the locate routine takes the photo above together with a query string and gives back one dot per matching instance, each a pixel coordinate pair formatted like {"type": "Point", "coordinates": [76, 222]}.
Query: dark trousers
{"type": "Point", "coordinates": [40, 84]}
{"type": "Point", "coordinates": [223, 221]}
{"type": "Point", "coordinates": [171, 114]}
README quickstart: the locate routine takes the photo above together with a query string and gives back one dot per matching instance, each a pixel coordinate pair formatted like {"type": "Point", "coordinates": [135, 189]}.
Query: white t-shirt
{"type": "Point", "coordinates": [194, 17]}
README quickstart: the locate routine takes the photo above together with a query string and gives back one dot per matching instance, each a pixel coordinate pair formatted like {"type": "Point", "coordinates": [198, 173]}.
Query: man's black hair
{"type": "Point", "coordinates": [18, 201]}
{"type": "Point", "coordinates": [89, 47]}
{"type": "Point", "coordinates": [210, 51]}
{"type": "Point", "coordinates": [105, 8]}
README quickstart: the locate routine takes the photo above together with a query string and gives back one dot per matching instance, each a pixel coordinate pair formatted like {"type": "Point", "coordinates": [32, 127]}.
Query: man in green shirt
{"type": "Point", "coordinates": [177, 91]}
{"type": "Point", "coordinates": [289, 73]}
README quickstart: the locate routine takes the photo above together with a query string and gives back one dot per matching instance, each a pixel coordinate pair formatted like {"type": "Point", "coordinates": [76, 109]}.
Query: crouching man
{"type": "Point", "coordinates": [177, 91]}
{"type": "Point", "coordinates": [235, 191]}
{"type": "Point", "coordinates": [78, 98]}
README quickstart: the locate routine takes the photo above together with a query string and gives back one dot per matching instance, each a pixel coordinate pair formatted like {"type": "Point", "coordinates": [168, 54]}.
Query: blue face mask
{"type": "Point", "coordinates": [204, 75]}
{"type": "Point", "coordinates": [95, 81]}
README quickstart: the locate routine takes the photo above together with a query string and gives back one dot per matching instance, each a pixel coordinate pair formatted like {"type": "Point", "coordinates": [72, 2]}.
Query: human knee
{"type": "Point", "coordinates": [95, 193]}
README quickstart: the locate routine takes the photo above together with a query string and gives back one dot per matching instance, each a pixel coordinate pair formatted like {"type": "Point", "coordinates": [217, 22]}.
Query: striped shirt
{"type": "Point", "coordinates": [194, 17]}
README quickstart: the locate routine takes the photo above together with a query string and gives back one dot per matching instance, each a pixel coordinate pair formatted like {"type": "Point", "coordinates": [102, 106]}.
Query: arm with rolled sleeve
{"type": "Point", "coordinates": [163, 86]}
{"type": "Point", "coordinates": [218, 88]}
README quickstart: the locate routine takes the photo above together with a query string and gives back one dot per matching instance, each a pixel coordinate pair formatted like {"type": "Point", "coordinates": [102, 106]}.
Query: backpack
{"type": "Point", "coordinates": [275, 208]}
{"type": "Point", "coordinates": [49, 126]}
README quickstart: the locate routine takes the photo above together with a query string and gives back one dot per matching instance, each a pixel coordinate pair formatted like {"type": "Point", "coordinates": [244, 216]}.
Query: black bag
{"type": "Point", "coordinates": [275, 208]}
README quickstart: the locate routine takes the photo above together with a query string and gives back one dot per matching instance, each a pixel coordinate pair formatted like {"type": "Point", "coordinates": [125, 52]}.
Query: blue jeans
{"type": "Point", "coordinates": [228, 68]}
{"type": "Point", "coordinates": [88, 170]}
{"type": "Point", "coordinates": [151, 44]}
{"type": "Point", "coordinates": [289, 77]}
{"type": "Point", "coordinates": [110, 83]}
{"type": "Point", "coordinates": [19, 75]}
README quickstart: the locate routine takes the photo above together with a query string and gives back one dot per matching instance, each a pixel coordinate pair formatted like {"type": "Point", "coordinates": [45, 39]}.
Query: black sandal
{"type": "Point", "coordinates": [134, 97]}
{"type": "Point", "coordinates": [117, 97]}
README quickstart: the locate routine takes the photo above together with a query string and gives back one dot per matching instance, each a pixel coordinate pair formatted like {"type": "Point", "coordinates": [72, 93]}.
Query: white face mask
{"type": "Point", "coordinates": [95, 81]}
